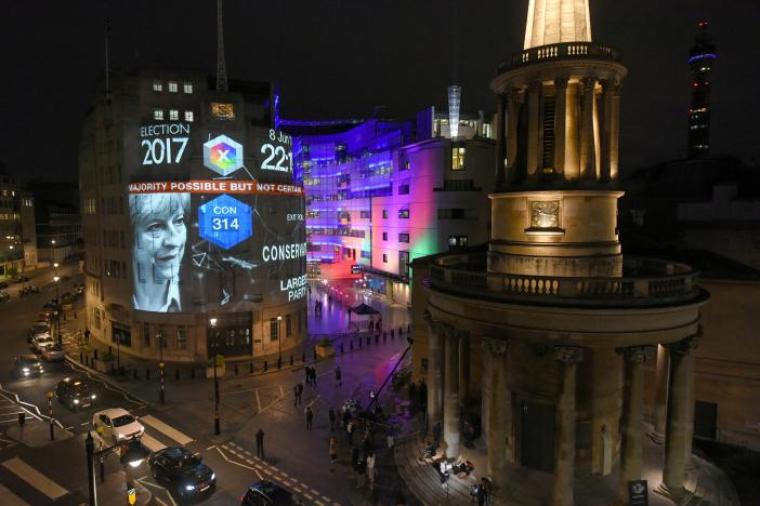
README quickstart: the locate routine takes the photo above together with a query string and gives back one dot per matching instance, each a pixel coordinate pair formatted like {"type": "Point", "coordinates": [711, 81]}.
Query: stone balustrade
{"type": "Point", "coordinates": [646, 282]}
{"type": "Point", "coordinates": [560, 51]}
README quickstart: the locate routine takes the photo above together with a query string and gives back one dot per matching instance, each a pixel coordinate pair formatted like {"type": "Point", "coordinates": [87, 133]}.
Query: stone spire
{"type": "Point", "coordinates": [555, 21]}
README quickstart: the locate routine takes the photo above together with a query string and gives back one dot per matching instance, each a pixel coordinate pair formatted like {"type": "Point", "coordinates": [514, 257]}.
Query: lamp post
{"type": "Point", "coordinates": [50, 414]}
{"type": "Point", "coordinates": [133, 454]}
{"type": "Point", "coordinates": [217, 429]}
{"type": "Point", "coordinates": [52, 251]}
{"type": "Point", "coordinates": [160, 338]}
{"type": "Point", "coordinates": [279, 341]}
{"type": "Point", "coordinates": [56, 279]}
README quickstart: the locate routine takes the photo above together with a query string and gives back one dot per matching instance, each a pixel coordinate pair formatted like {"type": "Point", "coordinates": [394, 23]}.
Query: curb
{"type": "Point", "coordinates": [75, 364]}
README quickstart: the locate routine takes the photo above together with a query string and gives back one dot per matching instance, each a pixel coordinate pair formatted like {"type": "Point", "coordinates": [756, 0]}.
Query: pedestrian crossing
{"type": "Point", "coordinates": [22, 484]}
{"type": "Point", "coordinates": [9, 412]}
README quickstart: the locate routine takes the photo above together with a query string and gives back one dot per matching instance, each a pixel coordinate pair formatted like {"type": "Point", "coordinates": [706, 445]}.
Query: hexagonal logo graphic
{"type": "Point", "coordinates": [225, 221]}
{"type": "Point", "coordinates": [223, 155]}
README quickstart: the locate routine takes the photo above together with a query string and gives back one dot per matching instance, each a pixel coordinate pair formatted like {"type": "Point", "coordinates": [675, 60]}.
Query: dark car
{"type": "Point", "coordinates": [3, 284]}
{"type": "Point", "coordinates": [26, 366]}
{"type": "Point", "coordinates": [267, 493]}
{"type": "Point", "coordinates": [74, 393]}
{"type": "Point", "coordinates": [19, 279]}
{"type": "Point", "coordinates": [182, 472]}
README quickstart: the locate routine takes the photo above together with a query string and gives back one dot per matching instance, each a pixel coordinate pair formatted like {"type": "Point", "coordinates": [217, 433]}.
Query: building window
{"type": "Point", "coordinates": [173, 87]}
{"type": "Point", "coordinates": [457, 158]}
{"type": "Point", "coordinates": [403, 189]}
{"type": "Point", "coordinates": [173, 114]}
{"type": "Point", "coordinates": [274, 328]}
{"type": "Point", "coordinates": [366, 254]}
{"type": "Point", "coordinates": [403, 214]}
{"type": "Point", "coordinates": [458, 241]}
{"type": "Point", "coordinates": [187, 88]}
{"type": "Point", "coordinates": [385, 258]}
{"type": "Point", "coordinates": [158, 114]}
{"type": "Point", "coordinates": [288, 326]}
{"type": "Point", "coordinates": [385, 214]}
{"type": "Point", "coordinates": [146, 334]}
{"type": "Point", "coordinates": [406, 165]}
{"type": "Point", "coordinates": [158, 86]}
{"type": "Point", "coordinates": [189, 116]}
{"type": "Point", "coordinates": [451, 214]}
{"type": "Point", "coordinates": [365, 214]}
{"type": "Point", "coordinates": [403, 238]}
{"type": "Point", "coordinates": [385, 236]}
{"type": "Point", "coordinates": [181, 338]}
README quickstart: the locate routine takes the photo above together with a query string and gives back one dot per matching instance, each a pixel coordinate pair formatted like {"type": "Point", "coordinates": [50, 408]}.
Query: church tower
{"type": "Point", "coordinates": [555, 210]}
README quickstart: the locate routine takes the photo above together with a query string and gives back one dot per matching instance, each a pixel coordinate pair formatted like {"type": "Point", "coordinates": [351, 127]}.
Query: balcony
{"type": "Point", "coordinates": [563, 51]}
{"type": "Point", "coordinates": [645, 283]}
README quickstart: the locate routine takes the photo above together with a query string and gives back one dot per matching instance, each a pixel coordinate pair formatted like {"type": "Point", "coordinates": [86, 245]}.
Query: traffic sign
{"type": "Point", "coordinates": [225, 221]}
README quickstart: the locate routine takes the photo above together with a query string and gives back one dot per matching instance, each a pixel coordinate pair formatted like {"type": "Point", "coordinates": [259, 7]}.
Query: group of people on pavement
{"type": "Point", "coordinates": [311, 376]}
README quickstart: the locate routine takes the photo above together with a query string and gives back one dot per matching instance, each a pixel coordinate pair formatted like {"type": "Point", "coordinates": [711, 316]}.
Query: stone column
{"type": "Point", "coordinates": [605, 121]}
{"type": "Point", "coordinates": [588, 160]}
{"type": "Point", "coordinates": [661, 392]}
{"type": "Point", "coordinates": [451, 405]}
{"type": "Point", "coordinates": [564, 458]}
{"type": "Point", "coordinates": [464, 372]}
{"type": "Point", "coordinates": [501, 136]}
{"type": "Point", "coordinates": [499, 417]}
{"type": "Point", "coordinates": [560, 124]}
{"type": "Point", "coordinates": [513, 119]}
{"type": "Point", "coordinates": [632, 419]}
{"type": "Point", "coordinates": [680, 415]}
{"type": "Point", "coordinates": [534, 124]}
{"type": "Point", "coordinates": [435, 371]}
{"type": "Point", "coordinates": [486, 385]}
{"type": "Point", "coordinates": [614, 130]}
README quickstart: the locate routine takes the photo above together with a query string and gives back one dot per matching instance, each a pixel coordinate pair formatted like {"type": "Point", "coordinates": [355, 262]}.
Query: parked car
{"type": "Point", "coordinates": [117, 424]}
{"type": "Point", "coordinates": [267, 493]}
{"type": "Point", "coordinates": [4, 296]}
{"type": "Point", "coordinates": [75, 393]}
{"type": "Point", "coordinates": [3, 285]}
{"type": "Point", "coordinates": [38, 328]}
{"type": "Point", "coordinates": [41, 342]}
{"type": "Point", "coordinates": [182, 472]}
{"type": "Point", "coordinates": [53, 353]}
{"type": "Point", "coordinates": [18, 278]}
{"type": "Point", "coordinates": [25, 366]}
{"type": "Point", "coordinates": [50, 306]}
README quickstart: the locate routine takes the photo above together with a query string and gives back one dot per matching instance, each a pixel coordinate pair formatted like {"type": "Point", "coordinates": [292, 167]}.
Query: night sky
{"type": "Point", "coordinates": [340, 58]}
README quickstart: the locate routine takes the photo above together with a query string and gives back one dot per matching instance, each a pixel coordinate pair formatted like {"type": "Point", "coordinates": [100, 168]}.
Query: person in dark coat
{"type": "Point", "coordinates": [309, 417]}
{"type": "Point", "coordinates": [260, 444]}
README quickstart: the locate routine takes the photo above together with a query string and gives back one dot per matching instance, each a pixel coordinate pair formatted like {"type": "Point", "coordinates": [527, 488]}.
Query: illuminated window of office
{"type": "Point", "coordinates": [173, 87]}
{"type": "Point", "coordinates": [187, 88]}
{"type": "Point", "coordinates": [181, 338]}
{"type": "Point", "coordinates": [158, 114]}
{"type": "Point", "coordinates": [189, 116]}
{"type": "Point", "coordinates": [457, 158]}
{"type": "Point", "coordinates": [173, 114]}
{"type": "Point", "coordinates": [273, 329]}
{"type": "Point", "coordinates": [158, 86]}
{"type": "Point", "coordinates": [403, 214]}
{"type": "Point", "coordinates": [403, 238]}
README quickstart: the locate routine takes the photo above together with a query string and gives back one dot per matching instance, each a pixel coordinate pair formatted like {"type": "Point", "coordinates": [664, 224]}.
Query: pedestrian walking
{"type": "Point", "coordinates": [307, 374]}
{"type": "Point", "coordinates": [412, 395]}
{"type": "Point", "coordinates": [338, 377]}
{"type": "Point", "coordinates": [309, 417]}
{"type": "Point", "coordinates": [331, 415]}
{"type": "Point", "coordinates": [295, 395]}
{"type": "Point", "coordinates": [260, 444]}
{"type": "Point", "coordinates": [371, 470]}
{"type": "Point", "coordinates": [350, 432]}
{"type": "Point", "coordinates": [422, 395]}
{"type": "Point", "coordinates": [314, 377]}
{"type": "Point", "coordinates": [333, 449]}
{"type": "Point", "coordinates": [361, 472]}
{"type": "Point", "coordinates": [484, 492]}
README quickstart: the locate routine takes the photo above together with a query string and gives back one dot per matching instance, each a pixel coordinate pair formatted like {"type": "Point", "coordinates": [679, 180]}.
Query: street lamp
{"type": "Point", "coordinates": [56, 279]}
{"type": "Point", "coordinates": [133, 454]}
{"type": "Point", "coordinates": [160, 338]}
{"type": "Point", "coordinates": [279, 341]}
{"type": "Point", "coordinates": [217, 429]}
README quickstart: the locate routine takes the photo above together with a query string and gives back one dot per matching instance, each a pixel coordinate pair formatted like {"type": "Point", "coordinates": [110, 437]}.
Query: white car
{"type": "Point", "coordinates": [55, 352]}
{"type": "Point", "coordinates": [41, 342]}
{"type": "Point", "coordinates": [116, 425]}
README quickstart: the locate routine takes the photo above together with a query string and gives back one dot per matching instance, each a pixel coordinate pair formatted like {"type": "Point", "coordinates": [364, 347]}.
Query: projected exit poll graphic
{"type": "Point", "coordinates": [223, 155]}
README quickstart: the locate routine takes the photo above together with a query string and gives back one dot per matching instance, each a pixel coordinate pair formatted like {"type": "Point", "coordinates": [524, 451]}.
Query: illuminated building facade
{"type": "Point", "coordinates": [193, 228]}
{"type": "Point", "coordinates": [544, 332]}
{"type": "Point", "coordinates": [18, 239]}
{"type": "Point", "coordinates": [702, 56]}
{"type": "Point", "coordinates": [382, 193]}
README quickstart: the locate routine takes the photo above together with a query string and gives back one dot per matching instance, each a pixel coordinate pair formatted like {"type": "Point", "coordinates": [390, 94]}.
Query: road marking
{"type": "Point", "coordinates": [258, 399]}
{"type": "Point", "coordinates": [11, 499]}
{"type": "Point", "coordinates": [166, 429]}
{"type": "Point", "coordinates": [239, 464]}
{"type": "Point", "coordinates": [151, 443]}
{"type": "Point", "coordinates": [35, 478]}
{"type": "Point", "coordinates": [145, 481]}
{"type": "Point", "coordinates": [211, 447]}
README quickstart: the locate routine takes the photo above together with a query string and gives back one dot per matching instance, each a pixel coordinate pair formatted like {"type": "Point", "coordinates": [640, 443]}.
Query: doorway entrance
{"type": "Point", "coordinates": [537, 436]}
{"type": "Point", "coordinates": [705, 420]}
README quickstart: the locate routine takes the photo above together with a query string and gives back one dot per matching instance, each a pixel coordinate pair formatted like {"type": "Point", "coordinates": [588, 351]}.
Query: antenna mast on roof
{"type": "Point", "coordinates": [221, 68]}
{"type": "Point", "coordinates": [108, 64]}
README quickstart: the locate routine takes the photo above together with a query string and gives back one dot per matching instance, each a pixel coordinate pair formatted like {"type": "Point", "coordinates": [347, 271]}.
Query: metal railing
{"type": "Point", "coordinates": [565, 50]}
{"type": "Point", "coordinates": [646, 282]}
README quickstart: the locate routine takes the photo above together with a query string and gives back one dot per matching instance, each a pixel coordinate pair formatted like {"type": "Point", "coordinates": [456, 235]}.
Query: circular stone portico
{"type": "Point", "coordinates": [561, 365]}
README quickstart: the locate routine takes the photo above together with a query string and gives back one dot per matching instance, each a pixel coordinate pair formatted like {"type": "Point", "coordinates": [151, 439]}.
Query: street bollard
{"type": "Point", "coordinates": [360, 342]}
{"type": "Point", "coordinates": [291, 359]}
{"type": "Point", "coordinates": [250, 368]}
{"type": "Point", "coordinates": [400, 330]}
{"type": "Point", "coordinates": [279, 362]}
{"type": "Point", "coordinates": [22, 419]}
{"type": "Point", "coordinates": [314, 353]}
{"type": "Point", "coordinates": [303, 357]}
{"type": "Point", "coordinates": [236, 369]}
{"type": "Point", "coordinates": [192, 373]}
{"type": "Point", "coordinates": [265, 366]}
{"type": "Point", "coordinates": [351, 345]}
{"type": "Point", "coordinates": [393, 334]}
{"type": "Point", "coordinates": [81, 357]}
{"type": "Point", "coordinates": [385, 337]}
{"type": "Point", "coordinates": [50, 414]}
{"type": "Point", "coordinates": [341, 347]}
{"type": "Point", "coordinates": [377, 338]}
{"type": "Point", "coordinates": [368, 338]}
{"type": "Point", "coordinates": [176, 374]}
{"type": "Point", "coordinates": [134, 373]}
{"type": "Point", "coordinates": [147, 373]}
{"type": "Point", "coordinates": [102, 470]}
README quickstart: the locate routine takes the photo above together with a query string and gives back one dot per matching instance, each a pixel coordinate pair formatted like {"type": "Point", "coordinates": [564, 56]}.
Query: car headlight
{"type": "Point", "coordinates": [92, 397]}
{"type": "Point", "coordinates": [119, 435]}
{"type": "Point", "coordinates": [189, 487]}
{"type": "Point", "coordinates": [213, 476]}
{"type": "Point", "coordinates": [76, 401]}
{"type": "Point", "coordinates": [26, 370]}
{"type": "Point", "coordinates": [42, 370]}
